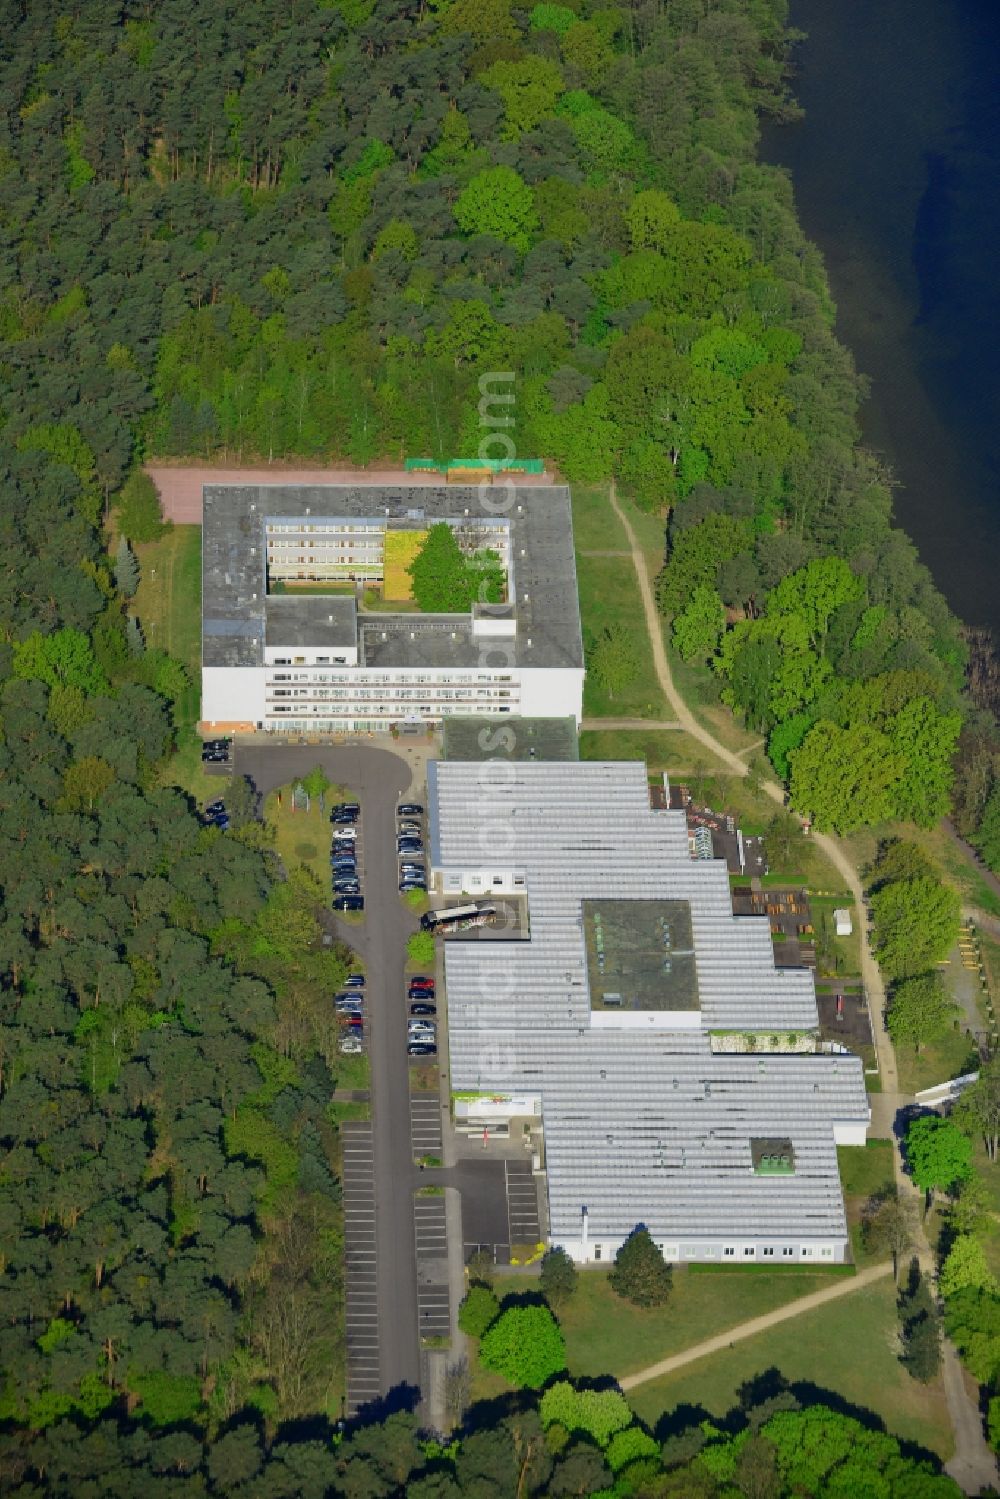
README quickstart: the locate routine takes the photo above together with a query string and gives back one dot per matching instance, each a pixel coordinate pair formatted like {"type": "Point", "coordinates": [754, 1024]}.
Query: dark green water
{"type": "Point", "coordinates": [897, 178]}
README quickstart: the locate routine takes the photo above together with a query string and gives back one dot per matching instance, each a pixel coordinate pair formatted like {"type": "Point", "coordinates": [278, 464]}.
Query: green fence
{"type": "Point", "coordinates": [495, 465]}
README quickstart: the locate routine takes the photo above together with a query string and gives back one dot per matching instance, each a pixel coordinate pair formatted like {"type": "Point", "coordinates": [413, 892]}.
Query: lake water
{"type": "Point", "coordinates": [897, 179]}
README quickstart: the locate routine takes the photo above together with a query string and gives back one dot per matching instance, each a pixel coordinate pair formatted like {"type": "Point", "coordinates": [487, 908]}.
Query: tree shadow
{"type": "Point", "coordinates": [402, 1397]}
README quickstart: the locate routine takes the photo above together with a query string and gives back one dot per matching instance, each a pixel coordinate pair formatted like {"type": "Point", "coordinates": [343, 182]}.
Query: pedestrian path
{"type": "Point", "coordinates": [743, 1330]}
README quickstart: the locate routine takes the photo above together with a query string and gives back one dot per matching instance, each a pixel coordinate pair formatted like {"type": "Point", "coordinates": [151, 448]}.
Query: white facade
{"type": "Point", "coordinates": [284, 659]}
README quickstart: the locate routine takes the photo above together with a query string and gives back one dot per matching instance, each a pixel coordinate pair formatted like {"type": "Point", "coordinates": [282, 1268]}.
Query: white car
{"type": "Point", "coordinates": [350, 1046]}
{"type": "Point", "coordinates": [421, 1028]}
{"type": "Point", "coordinates": [345, 835]}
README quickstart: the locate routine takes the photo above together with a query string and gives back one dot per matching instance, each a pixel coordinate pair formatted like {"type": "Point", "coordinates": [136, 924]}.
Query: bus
{"type": "Point", "coordinates": [459, 918]}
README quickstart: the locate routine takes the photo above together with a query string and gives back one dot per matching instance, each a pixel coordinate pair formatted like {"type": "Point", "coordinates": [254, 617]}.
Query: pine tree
{"type": "Point", "coordinates": [126, 569]}
{"type": "Point", "coordinates": [640, 1274]}
{"type": "Point", "coordinates": [558, 1278]}
{"type": "Point", "coordinates": [134, 637]}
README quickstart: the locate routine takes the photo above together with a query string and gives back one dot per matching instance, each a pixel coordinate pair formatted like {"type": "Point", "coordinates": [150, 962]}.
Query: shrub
{"type": "Point", "coordinates": [525, 1345]}
{"type": "Point", "coordinates": [478, 1311]}
{"type": "Point", "coordinates": [420, 949]}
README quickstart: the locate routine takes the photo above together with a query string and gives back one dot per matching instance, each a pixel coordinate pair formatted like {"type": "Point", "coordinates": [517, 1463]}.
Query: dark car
{"type": "Point", "coordinates": [338, 861]}
{"type": "Point", "coordinates": [422, 1049]}
{"type": "Point", "coordinates": [422, 1009]}
{"type": "Point", "coordinates": [214, 757]}
{"type": "Point", "coordinates": [214, 808]}
{"type": "Point", "coordinates": [347, 887]}
{"type": "Point", "coordinates": [349, 903]}
{"type": "Point", "coordinates": [344, 819]}
{"type": "Point", "coordinates": [354, 981]}
{"type": "Point", "coordinates": [409, 846]}
{"type": "Point", "coordinates": [353, 808]}
{"type": "Point", "coordinates": [409, 809]}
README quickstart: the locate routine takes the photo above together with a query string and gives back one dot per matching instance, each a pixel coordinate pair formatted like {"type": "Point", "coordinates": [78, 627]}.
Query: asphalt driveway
{"type": "Point", "coordinates": [377, 779]}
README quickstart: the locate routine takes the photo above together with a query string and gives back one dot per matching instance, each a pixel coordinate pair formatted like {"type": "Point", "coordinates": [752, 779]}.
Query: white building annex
{"type": "Point", "coordinates": [280, 653]}
{"type": "Point", "coordinates": [611, 1014]}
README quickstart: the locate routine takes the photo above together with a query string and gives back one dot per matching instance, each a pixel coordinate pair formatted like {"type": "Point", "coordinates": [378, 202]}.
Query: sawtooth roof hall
{"type": "Point", "coordinates": [610, 1021]}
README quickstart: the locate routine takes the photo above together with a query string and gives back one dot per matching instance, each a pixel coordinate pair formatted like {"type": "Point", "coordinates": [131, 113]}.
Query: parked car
{"type": "Point", "coordinates": [354, 981]}
{"type": "Point", "coordinates": [343, 1009]}
{"type": "Point", "coordinates": [338, 861]}
{"type": "Point", "coordinates": [350, 1045]}
{"type": "Point", "coordinates": [409, 846]}
{"type": "Point", "coordinates": [421, 1030]}
{"type": "Point", "coordinates": [425, 995]}
{"type": "Point", "coordinates": [405, 886]}
{"type": "Point", "coordinates": [354, 1022]}
{"type": "Point", "coordinates": [214, 808]}
{"type": "Point", "coordinates": [423, 1009]}
{"type": "Point", "coordinates": [345, 836]}
{"type": "Point", "coordinates": [410, 830]}
{"type": "Point", "coordinates": [422, 1049]}
{"type": "Point", "coordinates": [349, 903]}
{"type": "Point", "coordinates": [346, 887]}
{"type": "Point", "coordinates": [214, 756]}
{"type": "Point", "coordinates": [422, 981]}
{"type": "Point", "coordinates": [354, 807]}
{"type": "Point", "coordinates": [409, 809]}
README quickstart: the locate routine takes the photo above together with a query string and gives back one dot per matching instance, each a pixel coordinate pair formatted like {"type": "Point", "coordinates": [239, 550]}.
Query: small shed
{"type": "Point", "coordinates": [842, 923]}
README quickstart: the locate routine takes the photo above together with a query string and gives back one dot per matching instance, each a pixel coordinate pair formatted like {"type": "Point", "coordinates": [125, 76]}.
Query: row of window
{"type": "Point", "coordinates": [746, 1252]}
{"type": "Point", "coordinates": [363, 680]}
{"type": "Point", "coordinates": [330, 530]}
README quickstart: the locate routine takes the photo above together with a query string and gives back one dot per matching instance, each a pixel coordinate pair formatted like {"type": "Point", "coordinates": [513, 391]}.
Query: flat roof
{"type": "Point", "coordinates": [641, 1125]}
{"type": "Point", "coordinates": [543, 569]}
{"type": "Point", "coordinates": [640, 955]}
{"type": "Point", "coordinates": [510, 738]}
{"type": "Point", "coordinates": [313, 619]}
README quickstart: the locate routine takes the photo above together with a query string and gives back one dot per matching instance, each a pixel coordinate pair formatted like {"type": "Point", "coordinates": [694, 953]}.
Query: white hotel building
{"type": "Point", "coordinates": [303, 660]}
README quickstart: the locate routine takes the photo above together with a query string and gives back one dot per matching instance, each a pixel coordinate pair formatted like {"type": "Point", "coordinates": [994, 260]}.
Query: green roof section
{"type": "Point", "coordinates": [772, 1157]}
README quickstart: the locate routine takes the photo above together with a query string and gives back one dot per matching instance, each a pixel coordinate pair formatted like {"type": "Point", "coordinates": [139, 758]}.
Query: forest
{"type": "Point", "coordinates": [307, 228]}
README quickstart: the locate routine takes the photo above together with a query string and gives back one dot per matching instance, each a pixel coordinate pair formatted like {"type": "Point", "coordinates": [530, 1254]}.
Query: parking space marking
{"type": "Point", "coordinates": [361, 1266]}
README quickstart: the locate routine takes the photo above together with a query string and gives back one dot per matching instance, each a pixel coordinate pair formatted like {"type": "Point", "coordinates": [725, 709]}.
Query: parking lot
{"type": "Point", "coordinates": [360, 1267]}
{"type": "Point", "coordinates": [383, 1343]}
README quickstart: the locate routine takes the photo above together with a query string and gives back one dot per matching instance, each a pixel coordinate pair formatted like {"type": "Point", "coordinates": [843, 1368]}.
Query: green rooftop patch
{"type": "Point", "coordinates": [640, 955]}
{"type": "Point", "coordinates": [772, 1157]}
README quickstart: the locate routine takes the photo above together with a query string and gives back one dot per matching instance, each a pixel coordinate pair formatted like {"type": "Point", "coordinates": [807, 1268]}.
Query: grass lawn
{"type": "Point", "coordinates": [836, 956]}
{"type": "Point", "coordinates": [168, 600]}
{"type": "Point", "coordinates": [937, 1061]}
{"type": "Point", "coordinates": [847, 1347]}
{"type": "Point", "coordinates": [662, 749]}
{"type": "Point", "coordinates": [302, 837]}
{"type": "Point", "coordinates": [864, 1170]}
{"type": "Point", "coordinates": [609, 595]}
{"type": "Point", "coordinates": [605, 1335]}
{"type": "Point", "coordinates": [970, 885]}
{"type": "Point", "coordinates": [596, 528]}
{"type": "Point", "coordinates": [650, 532]}
{"type": "Point", "coordinates": [291, 586]}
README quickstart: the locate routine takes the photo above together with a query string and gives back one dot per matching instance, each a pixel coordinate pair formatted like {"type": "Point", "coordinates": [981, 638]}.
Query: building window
{"type": "Point", "coordinates": [729, 1252]}
{"type": "Point", "coordinates": [597, 1251]}
{"type": "Point", "coordinates": [787, 1253]}
{"type": "Point", "coordinates": [827, 1252]}
{"type": "Point", "coordinates": [806, 1252]}
{"type": "Point", "coordinates": [768, 1252]}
